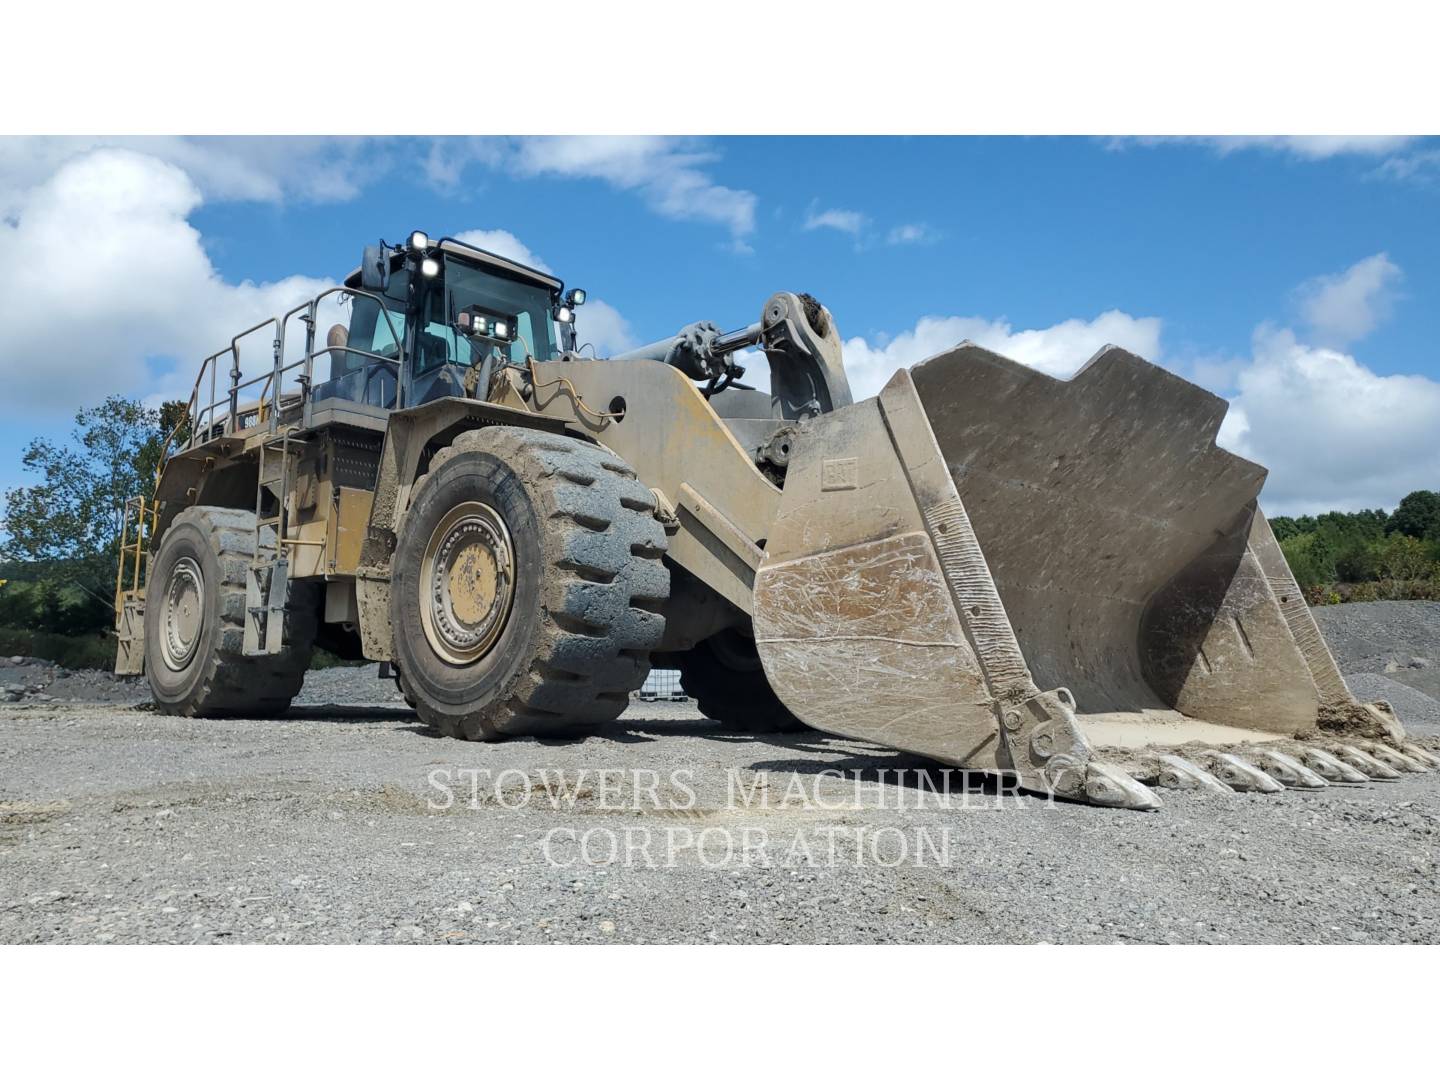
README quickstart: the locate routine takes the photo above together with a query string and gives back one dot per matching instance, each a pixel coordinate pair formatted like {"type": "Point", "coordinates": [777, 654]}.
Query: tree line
{"type": "Point", "coordinates": [62, 533]}
{"type": "Point", "coordinates": [1368, 554]}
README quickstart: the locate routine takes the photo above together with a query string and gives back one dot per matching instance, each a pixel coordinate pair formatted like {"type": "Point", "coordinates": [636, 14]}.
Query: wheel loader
{"type": "Point", "coordinates": [1063, 582]}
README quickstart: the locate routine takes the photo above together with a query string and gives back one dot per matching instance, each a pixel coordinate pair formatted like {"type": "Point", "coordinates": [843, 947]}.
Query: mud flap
{"type": "Point", "coordinates": [876, 616]}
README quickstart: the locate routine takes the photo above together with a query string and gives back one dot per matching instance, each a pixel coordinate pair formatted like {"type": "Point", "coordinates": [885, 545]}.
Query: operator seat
{"type": "Point", "coordinates": [337, 339]}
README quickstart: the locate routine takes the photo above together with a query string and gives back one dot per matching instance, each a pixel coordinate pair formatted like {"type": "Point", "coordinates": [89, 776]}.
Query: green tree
{"type": "Point", "coordinates": [1404, 558]}
{"type": "Point", "coordinates": [1418, 515]}
{"type": "Point", "coordinates": [1284, 528]}
{"type": "Point", "coordinates": [1310, 559]}
{"type": "Point", "coordinates": [69, 520]}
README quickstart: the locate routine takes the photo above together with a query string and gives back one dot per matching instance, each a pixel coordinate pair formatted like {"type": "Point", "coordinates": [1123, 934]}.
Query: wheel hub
{"type": "Point", "coordinates": [183, 618]}
{"type": "Point", "coordinates": [467, 582]}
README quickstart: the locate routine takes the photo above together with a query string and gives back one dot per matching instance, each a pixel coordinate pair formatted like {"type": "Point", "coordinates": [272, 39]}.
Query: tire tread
{"type": "Point", "coordinates": [601, 598]}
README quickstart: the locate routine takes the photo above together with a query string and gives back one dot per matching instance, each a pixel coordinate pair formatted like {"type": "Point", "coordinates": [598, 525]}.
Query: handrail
{"type": "Point", "coordinates": [204, 417]}
{"type": "Point", "coordinates": [311, 309]}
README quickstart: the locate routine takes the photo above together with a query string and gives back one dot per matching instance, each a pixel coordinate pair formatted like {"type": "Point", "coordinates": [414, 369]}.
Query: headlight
{"type": "Point", "coordinates": [500, 329]}
{"type": "Point", "coordinates": [575, 297]}
{"type": "Point", "coordinates": [564, 315]}
{"type": "Point", "coordinates": [429, 267]}
{"type": "Point", "coordinates": [419, 241]}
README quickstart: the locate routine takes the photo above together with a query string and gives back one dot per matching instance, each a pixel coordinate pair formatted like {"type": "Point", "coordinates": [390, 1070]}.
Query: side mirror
{"type": "Point", "coordinates": [375, 267]}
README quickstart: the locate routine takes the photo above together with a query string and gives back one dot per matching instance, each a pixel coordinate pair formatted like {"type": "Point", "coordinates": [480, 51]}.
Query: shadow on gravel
{"type": "Point", "coordinates": [899, 771]}
{"type": "Point", "coordinates": [348, 714]}
{"type": "Point", "coordinates": [869, 764]}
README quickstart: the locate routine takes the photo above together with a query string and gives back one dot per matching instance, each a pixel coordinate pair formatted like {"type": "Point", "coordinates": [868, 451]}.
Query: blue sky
{"type": "Point", "coordinates": [1296, 277]}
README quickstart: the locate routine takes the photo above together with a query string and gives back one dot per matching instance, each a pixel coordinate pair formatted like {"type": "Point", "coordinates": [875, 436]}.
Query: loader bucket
{"type": "Point", "coordinates": [1046, 578]}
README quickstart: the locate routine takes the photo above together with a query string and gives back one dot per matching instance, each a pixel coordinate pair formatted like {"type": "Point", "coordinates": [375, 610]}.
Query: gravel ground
{"type": "Point", "coordinates": [349, 821]}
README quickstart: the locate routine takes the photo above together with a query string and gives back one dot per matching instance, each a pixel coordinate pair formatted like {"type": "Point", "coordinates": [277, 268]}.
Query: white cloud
{"type": "Point", "coordinates": [1341, 308]}
{"type": "Point", "coordinates": [259, 169]}
{"type": "Point", "coordinates": [505, 244]}
{"type": "Point", "coordinates": [858, 225]}
{"type": "Point", "coordinates": [1420, 167]}
{"type": "Point", "coordinates": [1058, 350]}
{"type": "Point", "coordinates": [1313, 147]}
{"type": "Point", "coordinates": [600, 325]}
{"type": "Point", "coordinates": [846, 221]}
{"type": "Point", "coordinates": [1309, 147]}
{"type": "Point", "coordinates": [1333, 433]}
{"type": "Point", "coordinates": [106, 272]}
{"type": "Point", "coordinates": [665, 171]}
{"type": "Point", "coordinates": [913, 233]}
{"type": "Point", "coordinates": [669, 174]}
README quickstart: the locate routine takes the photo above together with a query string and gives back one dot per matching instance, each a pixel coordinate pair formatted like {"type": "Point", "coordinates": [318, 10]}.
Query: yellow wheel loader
{"type": "Point", "coordinates": [1064, 582]}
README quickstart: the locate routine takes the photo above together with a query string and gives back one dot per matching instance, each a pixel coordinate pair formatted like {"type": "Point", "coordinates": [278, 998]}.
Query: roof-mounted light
{"type": "Point", "coordinates": [419, 241]}
{"type": "Point", "coordinates": [429, 267]}
{"type": "Point", "coordinates": [575, 297]}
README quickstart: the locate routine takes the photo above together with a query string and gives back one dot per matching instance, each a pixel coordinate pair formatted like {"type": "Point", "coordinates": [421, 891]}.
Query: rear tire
{"type": "Point", "coordinates": [527, 586]}
{"type": "Point", "coordinates": [195, 622]}
{"type": "Point", "coordinates": [725, 677]}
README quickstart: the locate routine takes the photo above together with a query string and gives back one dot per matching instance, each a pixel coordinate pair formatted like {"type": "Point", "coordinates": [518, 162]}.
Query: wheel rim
{"type": "Point", "coordinates": [183, 618]}
{"type": "Point", "coordinates": [467, 583]}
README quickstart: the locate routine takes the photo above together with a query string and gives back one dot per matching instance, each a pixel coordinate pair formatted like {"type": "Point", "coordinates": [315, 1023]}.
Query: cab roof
{"type": "Point", "coordinates": [470, 253]}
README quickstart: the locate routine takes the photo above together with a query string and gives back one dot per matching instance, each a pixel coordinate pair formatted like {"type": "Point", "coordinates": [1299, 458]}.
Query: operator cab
{"type": "Point", "coordinates": [426, 316]}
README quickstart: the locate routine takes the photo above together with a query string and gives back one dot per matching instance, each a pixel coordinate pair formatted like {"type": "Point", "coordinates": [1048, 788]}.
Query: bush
{"type": "Point", "coordinates": [1405, 558]}
{"type": "Point", "coordinates": [1365, 591]}
{"type": "Point", "coordinates": [54, 607]}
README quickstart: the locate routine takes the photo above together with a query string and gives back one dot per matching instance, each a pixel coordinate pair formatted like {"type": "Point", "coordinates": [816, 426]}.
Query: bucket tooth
{"type": "Point", "coordinates": [1374, 768]}
{"type": "Point", "coordinates": [1419, 753]}
{"type": "Point", "coordinates": [1392, 757]}
{"type": "Point", "coordinates": [1174, 772]}
{"type": "Point", "coordinates": [1417, 761]}
{"type": "Point", "coordinates": [1286, 769]}
{"type": "Point", "coordinates": [1240, 775]}
{"type": "Point", "coordinates": [1110, 785]}
{"type": "Point", "coordinates": [1330, 767]}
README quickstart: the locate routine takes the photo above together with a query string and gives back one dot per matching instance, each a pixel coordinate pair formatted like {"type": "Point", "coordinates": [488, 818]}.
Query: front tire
{"type": "Point", "coordinates": [195, 622]}
{"type": "Point", "coordinates": [527, 585]}
{"type": "Point", "coordinates": [724, 675]}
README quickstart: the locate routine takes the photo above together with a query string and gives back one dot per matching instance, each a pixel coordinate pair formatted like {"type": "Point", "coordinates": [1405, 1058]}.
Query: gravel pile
{"type": "Point", "coordinates": [1399, 639]}
{"type": "Point", "coordinates": [1390, 650]}
{"type": "Point", "coordinates": [1420, 713]}
{"type": "Point", "coordinates": [30, 679]}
